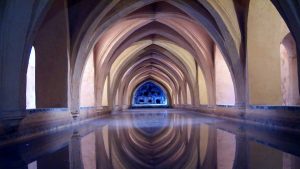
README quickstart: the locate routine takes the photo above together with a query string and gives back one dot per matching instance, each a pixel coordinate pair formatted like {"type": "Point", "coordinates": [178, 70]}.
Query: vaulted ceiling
{"type": "Point", "coordinates": [171, 42]}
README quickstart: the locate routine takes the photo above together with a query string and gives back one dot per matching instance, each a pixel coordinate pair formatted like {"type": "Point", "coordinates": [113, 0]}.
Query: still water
{"type": "Point", "coordinates": [157, 139]}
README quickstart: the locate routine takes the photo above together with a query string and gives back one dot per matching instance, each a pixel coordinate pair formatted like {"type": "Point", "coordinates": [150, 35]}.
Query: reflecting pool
{"type": "Point", "coordinates": [156, 139]}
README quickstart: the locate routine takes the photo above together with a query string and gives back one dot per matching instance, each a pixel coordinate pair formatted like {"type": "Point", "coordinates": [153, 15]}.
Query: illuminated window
{"type": "Point", "coordinates": [30, 83]}
{"type": "Point", "coordinates": [150, 94]}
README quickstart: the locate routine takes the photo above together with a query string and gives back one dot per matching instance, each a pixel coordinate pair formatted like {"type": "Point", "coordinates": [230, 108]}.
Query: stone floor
{"type": "Point", "coordinates": [156, 139]}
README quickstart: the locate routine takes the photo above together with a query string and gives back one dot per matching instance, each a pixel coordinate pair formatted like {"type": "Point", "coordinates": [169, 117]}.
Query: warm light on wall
{"type": "Point", "coordinates": [224, 84]}
{"type": "Point", "coordinates": [87, 94]}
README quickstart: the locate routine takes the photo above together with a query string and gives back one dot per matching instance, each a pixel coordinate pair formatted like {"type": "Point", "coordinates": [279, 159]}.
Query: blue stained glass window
{"type": "Point", "coordinates": [149, 94]}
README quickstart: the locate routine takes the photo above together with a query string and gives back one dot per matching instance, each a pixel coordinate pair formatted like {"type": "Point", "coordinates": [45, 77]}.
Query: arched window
{"type": "Point", "coordinates": [289, 72]}
{"type": "Point", "coordinates": [150, 94]}
{"type": "Point", "coordinates": [30, 83]}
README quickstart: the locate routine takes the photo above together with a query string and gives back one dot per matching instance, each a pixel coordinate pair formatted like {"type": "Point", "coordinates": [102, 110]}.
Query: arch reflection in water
{"type": "Point", "coordinates": [164, 140]}
{"type": "Point", "coordinates": [150, 94]}
{"type": "Point", "coordinates": [160, 139]}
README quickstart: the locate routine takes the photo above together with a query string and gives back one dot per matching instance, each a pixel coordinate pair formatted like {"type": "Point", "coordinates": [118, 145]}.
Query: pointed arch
{"type": "Point", "coordinates": [150, 94]}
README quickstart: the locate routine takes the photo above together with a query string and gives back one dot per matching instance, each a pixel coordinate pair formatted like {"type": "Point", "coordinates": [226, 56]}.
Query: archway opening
{"type": "Point", "coordinates": [150, 94]}
{"type": "Point", "coordinates": [30, 82]}
{"type": "Point", "coordinates": [289, 71]}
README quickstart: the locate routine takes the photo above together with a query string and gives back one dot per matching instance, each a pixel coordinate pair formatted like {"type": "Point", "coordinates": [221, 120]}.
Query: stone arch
{"type": "Point", "coordinates": [149, 72]}
{"type": "Point", "coordinates": [289, 69]}
{"type": "Point", "coordinates": [165, 94]}
{"type": "Point", "coordinates": [119, 50]}
{"type": "Point", "coordinates": [52, 53]}
{"type": "Point", "coordinates": [142, 76]}
{"type": "Point", "coordinates": [190, 79]}
{"type": "Point", "coordinates": [291, 15]}
{"type": "Point", "coordinates": [173, 80]}
{"type": "Point", "coordinates": [147, 59]}
{"type": "Point", "coordinates": [232, 57]}
{"type": "Point", "coordinates": [20, 33]}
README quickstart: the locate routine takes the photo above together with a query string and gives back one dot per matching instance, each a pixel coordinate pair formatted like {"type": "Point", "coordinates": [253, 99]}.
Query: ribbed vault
{"type": "Point", "coordinates": [170, 42]}
{"type": "Point", "coordinates": [229, 58]}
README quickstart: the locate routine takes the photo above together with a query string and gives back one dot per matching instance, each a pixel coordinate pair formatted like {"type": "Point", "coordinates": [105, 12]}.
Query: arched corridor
{"type": "Point", "coordinates": [65, 63]}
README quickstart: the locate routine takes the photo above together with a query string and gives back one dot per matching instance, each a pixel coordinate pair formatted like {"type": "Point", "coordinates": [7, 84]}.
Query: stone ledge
{"type": "Point", "coordinates": [41, 121]}
{"type": "Point", "coordinates": [273, 116]}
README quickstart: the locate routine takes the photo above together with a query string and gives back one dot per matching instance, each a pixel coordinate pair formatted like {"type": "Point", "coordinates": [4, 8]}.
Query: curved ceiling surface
{"type": "Point", "coordinates": [170, 42]}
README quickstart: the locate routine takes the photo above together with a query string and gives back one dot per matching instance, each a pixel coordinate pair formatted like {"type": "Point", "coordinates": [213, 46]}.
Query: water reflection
{"type": "Point", "coordinates": [157, 140]}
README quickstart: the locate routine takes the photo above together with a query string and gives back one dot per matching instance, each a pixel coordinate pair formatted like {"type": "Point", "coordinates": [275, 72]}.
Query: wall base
{"type": "Point", "coordinates": [41, 121]}
{"type": "Point", "coordinates": [273, 116]}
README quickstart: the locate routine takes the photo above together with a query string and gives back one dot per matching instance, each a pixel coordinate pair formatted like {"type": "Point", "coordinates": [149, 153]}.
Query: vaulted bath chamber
{"type": "Point", "coordinates": [149, 84]}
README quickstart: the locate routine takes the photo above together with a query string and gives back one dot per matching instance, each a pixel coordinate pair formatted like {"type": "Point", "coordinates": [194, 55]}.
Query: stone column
{"type": "Point", "coordinates": [52, 58]}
